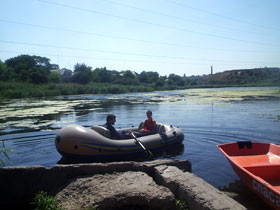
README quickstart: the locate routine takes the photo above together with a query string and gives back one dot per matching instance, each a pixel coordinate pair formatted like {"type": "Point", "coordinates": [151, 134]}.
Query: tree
{"type": "Point", "coordinates": [28, 68]}
{"type": "Point", "coordinates": [148, 77]}
{"type": "Point", "coordinates": [55, 77]}
{"type": "Point", "coordinates": [101, 75]}
{"type": "Point", "coordinates": [82, 73]}
{"type": "Point", "coordinates": [44, 62]}
{"type": "Point", "coordinates": [160, 82]}
{"type": "Point", "coordinates": [174, 79]}
{"type": "Point", "coordinates": [38, 75]}
{"type": "Point", "coordinates": [143, 77]}
{"type": "Point", "coordinates": [4, 76]}
{"type": "Point", "coordinates": [127, 78]}
{"type": "Point", "coordinates": [129, 74]}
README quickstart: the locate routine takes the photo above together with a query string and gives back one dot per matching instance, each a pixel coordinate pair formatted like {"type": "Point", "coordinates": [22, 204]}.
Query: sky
{"type": "Point", "coordinates": [166, 36]}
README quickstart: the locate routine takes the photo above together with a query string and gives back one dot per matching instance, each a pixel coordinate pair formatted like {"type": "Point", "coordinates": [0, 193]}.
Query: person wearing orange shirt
{"type": "Point", "coordinates": [150, 125]}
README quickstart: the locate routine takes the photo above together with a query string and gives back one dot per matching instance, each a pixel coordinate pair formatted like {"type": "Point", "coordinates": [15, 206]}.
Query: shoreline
{"type": "Point", "coordinates": [18, 90]}
{"type": "Point", "coordinates": [152, 184]}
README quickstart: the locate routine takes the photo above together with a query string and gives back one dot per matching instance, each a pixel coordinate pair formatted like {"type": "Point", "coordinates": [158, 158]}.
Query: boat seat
{"type": "Point", "coordinates": [161, 128]}
{"type": "Point", "coordinates": [101, 130]}
{"type": "Point", "coordinates": [141, 126]}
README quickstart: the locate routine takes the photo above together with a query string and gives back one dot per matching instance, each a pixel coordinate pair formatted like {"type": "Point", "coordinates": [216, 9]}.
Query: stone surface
{"type": "Point", "coordinates": [115, 191]}
{"type": "Point", "coordinates": [195, 191]}
{"type": "Point", "coordinates": [152, 185]}
{"type": "Point", "coordinates": [20, 184]}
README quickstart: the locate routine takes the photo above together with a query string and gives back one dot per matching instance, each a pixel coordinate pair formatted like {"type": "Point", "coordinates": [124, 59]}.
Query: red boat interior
{"type": "Point", "coordinates": [260, 159]}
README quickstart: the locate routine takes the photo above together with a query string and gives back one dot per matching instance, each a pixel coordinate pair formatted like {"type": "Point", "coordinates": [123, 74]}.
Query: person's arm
{"type": "Point", "coordinates": [154, 126]}
{"type": "Point", "coordinates": [145, 125]}
{"type": "Point", "coordinates": [113, 132]}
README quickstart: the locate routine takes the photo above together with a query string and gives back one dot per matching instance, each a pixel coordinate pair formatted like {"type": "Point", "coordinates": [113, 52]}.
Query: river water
{"type": "Point", "coordinates": [208, 117]}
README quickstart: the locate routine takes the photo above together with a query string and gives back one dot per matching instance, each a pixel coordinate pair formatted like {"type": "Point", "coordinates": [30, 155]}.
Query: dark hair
{"type": "Point", "coordinates": [110, 117]}
{"type": "Point", "coordinates": [149, 111]}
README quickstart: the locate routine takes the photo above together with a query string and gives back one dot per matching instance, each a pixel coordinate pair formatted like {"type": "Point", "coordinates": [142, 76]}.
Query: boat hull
{"type": "Point", "coordinates": [82, 144]}
{"type": "Point", "coordinates": [258, 166]}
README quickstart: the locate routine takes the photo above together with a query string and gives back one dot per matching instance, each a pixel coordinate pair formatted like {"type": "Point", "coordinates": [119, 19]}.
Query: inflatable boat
{"type": "Point", "coordinates": [258, 166]}
{"type": "Point", "coordinates": [78, 143]}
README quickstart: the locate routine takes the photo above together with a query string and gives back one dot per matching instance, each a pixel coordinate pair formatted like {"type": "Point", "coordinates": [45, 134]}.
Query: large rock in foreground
{"type": "Point", "coordinates": [141, 185]}
{"type": "Point", "coordinates": [20, 184]}
{"type": "Point", "coordinates": [199, 194]}
{"type": "Point", "coordinates": [115, 191]}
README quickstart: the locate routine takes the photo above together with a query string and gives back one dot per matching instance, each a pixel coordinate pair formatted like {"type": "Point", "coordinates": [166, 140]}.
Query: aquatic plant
{"type": "Point", "coordinates": [43, 201]}
{"type": "Point", "coordinates": [4, 151]}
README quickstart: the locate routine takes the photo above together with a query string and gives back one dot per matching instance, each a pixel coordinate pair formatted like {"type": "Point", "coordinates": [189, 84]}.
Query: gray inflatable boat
{"type": "Point", "coordinates": [78, 143]}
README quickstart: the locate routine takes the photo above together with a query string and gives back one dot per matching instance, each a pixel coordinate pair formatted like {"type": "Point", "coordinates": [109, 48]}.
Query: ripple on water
{"type": "Point", "coordinates": [207, 117]}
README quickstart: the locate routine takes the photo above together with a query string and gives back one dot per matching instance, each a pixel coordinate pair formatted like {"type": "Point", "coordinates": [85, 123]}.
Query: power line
{"type": "Point", "coordinates": [179, 18]}
{"type": "Point", "coordinates": [129, 39]}
{"type": "Point", "coordinates": [122, 60]}
{"type": "Point", "coordinates": [98, 58]}
{"type": "Point", "coordinates": [123, 53]}
{"type": "Point", "coordinates": [155, 24]}
{"type": "Point", "coordinates": [221, 16]}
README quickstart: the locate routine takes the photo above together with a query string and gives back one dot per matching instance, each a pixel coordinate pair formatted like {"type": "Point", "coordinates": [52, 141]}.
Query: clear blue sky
{"type": "Point", "coordinates": [167, 36]}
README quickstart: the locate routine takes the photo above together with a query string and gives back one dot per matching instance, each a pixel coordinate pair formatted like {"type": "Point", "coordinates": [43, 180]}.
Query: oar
{"type": "Point", "coordinates": [144, 148]}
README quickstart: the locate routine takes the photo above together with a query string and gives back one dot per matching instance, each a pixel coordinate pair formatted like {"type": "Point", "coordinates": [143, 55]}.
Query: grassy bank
{"type": "Point", "coordinates": [13, 90]}
{"type": "Point", "coordinates": [10, 90]}
{"type": "Point", "coordinates": [16, 90]}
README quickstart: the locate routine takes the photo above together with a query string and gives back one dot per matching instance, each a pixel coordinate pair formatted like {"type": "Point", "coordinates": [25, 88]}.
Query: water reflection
{"type": "Point", "coordinates": [241, 193]}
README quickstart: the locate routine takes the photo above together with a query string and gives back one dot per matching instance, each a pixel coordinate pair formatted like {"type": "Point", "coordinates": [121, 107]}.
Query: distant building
{"type": "Point", "coordinates": [66, 74]}
{"type": "Point", "coordinates": [211, 70]}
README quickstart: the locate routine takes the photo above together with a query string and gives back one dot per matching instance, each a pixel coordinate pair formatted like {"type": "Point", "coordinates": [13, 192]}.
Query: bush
{"type": "Point", "coordinates": [55, 77]}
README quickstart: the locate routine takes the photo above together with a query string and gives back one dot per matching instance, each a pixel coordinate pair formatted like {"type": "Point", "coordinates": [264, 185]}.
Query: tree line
{"type": "Point", "coordinates": [39, 70]}
{"type": "Point", "coordinates": [34, 76]}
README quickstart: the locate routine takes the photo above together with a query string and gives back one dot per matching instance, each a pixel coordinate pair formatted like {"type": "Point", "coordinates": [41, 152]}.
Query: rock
{"type": "Point", "coordinates": [150, 185]}
{"type": "Point", "coordinates": [195, 191]}
{"type": "Point", "coordinates": [116, 190]}
{"type": "Point", "coordinates": [16, 180]}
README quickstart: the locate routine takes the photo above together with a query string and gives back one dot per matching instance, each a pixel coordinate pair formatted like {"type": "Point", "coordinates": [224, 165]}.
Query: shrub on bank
{"type": "Point", "coordinates": [12, 90]}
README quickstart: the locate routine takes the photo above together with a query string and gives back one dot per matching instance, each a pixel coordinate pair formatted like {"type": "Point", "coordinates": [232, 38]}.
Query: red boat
{"type": "Point", "coordinates": [258, 166]}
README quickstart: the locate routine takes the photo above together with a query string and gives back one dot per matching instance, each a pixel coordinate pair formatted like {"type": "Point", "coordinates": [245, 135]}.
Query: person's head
{"type": "Point", "coordinates": [111, 118]}
{"type": "Point", "coordinates": [149, 113]}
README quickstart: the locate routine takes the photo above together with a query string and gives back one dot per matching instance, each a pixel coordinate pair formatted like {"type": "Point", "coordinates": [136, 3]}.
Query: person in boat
{"type": "Point", "coordinates": [149, 127]}
{"type": "Point", "coordinates": [150, 124]}
{"type": "Point", "coordinates": [110, 121]}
